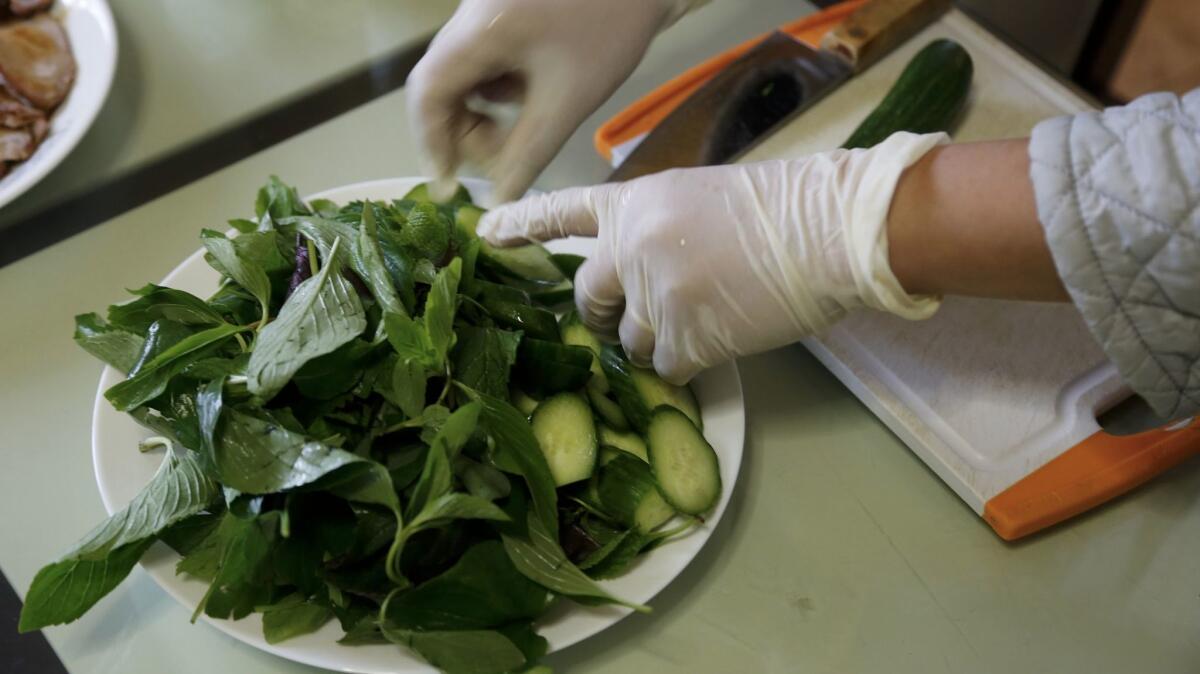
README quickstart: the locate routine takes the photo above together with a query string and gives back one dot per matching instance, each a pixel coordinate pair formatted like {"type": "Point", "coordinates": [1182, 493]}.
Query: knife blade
{"type": "Point", "coordinates": [769, 85]}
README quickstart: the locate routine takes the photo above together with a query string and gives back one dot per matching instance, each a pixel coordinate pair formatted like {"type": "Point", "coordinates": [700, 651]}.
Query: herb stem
{"type": "Point", "coordinates": [313, 267]}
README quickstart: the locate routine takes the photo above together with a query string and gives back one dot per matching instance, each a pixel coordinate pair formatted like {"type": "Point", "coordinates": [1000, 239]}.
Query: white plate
{"type": "Point", "coordinates": [121, 471]}
{"type": "Point", "coordinates": [93, 36]}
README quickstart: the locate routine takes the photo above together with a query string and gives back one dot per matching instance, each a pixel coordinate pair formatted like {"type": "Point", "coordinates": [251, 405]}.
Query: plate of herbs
{"type": "Point", "coordinates": [371, 442]}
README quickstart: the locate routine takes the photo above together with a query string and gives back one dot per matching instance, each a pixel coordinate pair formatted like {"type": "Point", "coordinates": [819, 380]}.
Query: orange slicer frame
{"type": "Point", "coordinates": [645, 113]}
{"type": "Point", "coordinates": [1100, 468]}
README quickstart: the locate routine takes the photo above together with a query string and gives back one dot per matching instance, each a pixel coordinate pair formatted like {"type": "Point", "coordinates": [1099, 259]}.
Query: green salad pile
{"type": "Point", "coordinates": [380, 420]}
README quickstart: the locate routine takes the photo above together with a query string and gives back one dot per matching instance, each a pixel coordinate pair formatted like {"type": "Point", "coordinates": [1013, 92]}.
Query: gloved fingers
{"type": "Point", "coordinates": [672, 366]}
{"type": "Point", "coordinates": [437, 91]}
{"type": "Point", "coordinates": [599, 296]}
{"type": "Point", "coordinates": [553, 215]}
{"type": "Point", "coordinates": [547, 118]}
{"type": "Point", "coordinates": [637, 338]}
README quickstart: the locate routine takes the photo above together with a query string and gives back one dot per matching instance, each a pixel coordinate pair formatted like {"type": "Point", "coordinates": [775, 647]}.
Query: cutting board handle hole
{"type": "Point", "coordinates": [1132, 415]}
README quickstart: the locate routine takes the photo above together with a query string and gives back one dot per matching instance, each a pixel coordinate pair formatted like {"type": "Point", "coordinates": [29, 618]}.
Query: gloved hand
{"type": "Point", "coordinates": [698, 266]}
{"type": "Point", "coordinates": [560, 58]}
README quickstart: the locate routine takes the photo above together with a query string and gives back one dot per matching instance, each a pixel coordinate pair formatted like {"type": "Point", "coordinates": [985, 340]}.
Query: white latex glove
{"type": "Point", "coordinates": [559, 58]}
{"type": "Point", "coordinates": [695, 267]}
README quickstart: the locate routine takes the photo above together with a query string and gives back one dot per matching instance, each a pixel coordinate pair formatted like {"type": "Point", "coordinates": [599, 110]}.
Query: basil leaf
{"type": "Point", "coordinates": [64, 590]}
{"type": "Point", "coordinates": [113, 346]}
{"type": "Point", "coordinates": [278, 200]}
{"type": "Point", "coordinates": [322, 314]}
{"type": "Point", "coordinates": [449, 507]}
{"type": "Point", "coordinates": [409, 339]}
{"type": "Point", "coordinates": [540, 558]}
{"type": "Point", "coordinates": [293, 617]}
{"type": "Point", "coordinates": [243, 261]}
{"type": "Point", "coordinates": [408, 385]}
{"type": "Point", "coordinates": [439, 311]}
{"type": "Point", "coordinates": [369, 264]}
{"type": "Point", "coordinates": [209, 403]}
{"type": "Point", "coordinates": [152, 378]}
{"type": "Point", "coordinates": [517, 451]}
{"type": "Point", "coordinates": [242, 578]}
{"type": "Point", "coordinates": [483, 358]}
{"type": "Point", "coordinates": [461, 652]}
{"type": "Point", "coordinates": [155, 302]}
{"type": "Point", "coordinates": [256, 456]}
{"type": "Point", "coordinates": [482, 590]}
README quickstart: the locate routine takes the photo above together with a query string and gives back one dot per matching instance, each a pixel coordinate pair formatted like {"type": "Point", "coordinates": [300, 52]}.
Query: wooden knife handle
{"type": "Point", "coordinates": [878, 26]}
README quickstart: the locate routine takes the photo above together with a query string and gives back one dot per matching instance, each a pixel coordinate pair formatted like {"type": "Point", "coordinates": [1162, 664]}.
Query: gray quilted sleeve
{"type": "Point", "coordinates": [1118, 192]}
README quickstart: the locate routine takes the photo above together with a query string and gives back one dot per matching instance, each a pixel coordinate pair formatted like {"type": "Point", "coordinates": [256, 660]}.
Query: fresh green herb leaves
{"type": "Point", "coordinates": [116, 347]}
{"type": "Point", "coordinates": [322, 314]}
{"type": "Point", "coordinates": [64, 590]}
{"type": "Point", "coordinates": [339, 441]}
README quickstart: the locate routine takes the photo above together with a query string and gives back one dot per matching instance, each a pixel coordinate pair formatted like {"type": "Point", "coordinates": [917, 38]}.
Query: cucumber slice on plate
{"type": "Point", "coordinates": [640, 390]}
{"type": "Point", "coordinates": [566, 432]}
{"type": "Point", "coordinates": [630, 443]}
{"type": "Point", "coordinates": [522, 401]}
{"type": "Point", "coordinates": [575, 333]}
{"type": "Point", "coordinates": [683, 462]}
{"type": "Point", "coordinates": [608, 410]}
{"type": "Point", "coordinates": [627, 490]}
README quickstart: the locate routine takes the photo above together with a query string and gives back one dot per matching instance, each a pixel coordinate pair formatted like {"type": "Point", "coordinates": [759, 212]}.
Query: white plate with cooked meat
{"type": "Point", "coordinates": [57, 61]}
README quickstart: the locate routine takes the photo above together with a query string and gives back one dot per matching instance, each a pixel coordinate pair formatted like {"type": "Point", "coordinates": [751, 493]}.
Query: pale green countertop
{"type": "Point", "coordinates": [189, 68]}
{"type": "Point", "coordinates": [840, 551]}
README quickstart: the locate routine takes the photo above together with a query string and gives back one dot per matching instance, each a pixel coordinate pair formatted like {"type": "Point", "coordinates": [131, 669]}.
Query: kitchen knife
{"type": "Point", "coordinates": [769, 85]}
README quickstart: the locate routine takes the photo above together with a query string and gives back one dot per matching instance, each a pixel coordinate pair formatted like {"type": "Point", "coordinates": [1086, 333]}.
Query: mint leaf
{"type": "Point", "coordinates": [113, 346]}
{"type": "Point", "coordinates": [322, 314]}
{"type": "Point", "coordinates": [483, 358]}
{"type": "Point", "coordinates": [64, 590]}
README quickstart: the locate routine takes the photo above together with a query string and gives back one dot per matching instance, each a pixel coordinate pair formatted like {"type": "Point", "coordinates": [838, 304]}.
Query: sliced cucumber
{"type": "Point", "coordinates": [567, 263]}
{"type": "Point", "coordinates": [528, 263]}
{"type": "Point", "coordinates": [544, 368]}
{"type": "Point", "coordinates": [466, 218]}
{"type": "Point", "coordinates": [606, 408]}
{"type": "Point", "coordinates": [607, 454]}
{"type": "Point", "coordinates": [566, 432]}
{"type": "Point", "coordinates": [498, 292]}
{"type": "Point", "coordinates": [534, 322]}
{"type": "Point", "coordinates": [628, 492]}
{"type": "Point", "coordinates": [522, 401]}
{"type": "Point", "coordinates": [639, 390]}
{"type": "Point", "coordinates": [631, 443]}
{"type": "Point", "coordinates": [421, 193]}
{"type": "Point", "coordinates": [683, 462]}
{"type": "Point", "coordinates": [575, 333]}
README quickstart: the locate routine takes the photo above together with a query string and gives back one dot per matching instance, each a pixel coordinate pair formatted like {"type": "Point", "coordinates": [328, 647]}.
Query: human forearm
{"type": "Point", "coordinates": [963, 222]}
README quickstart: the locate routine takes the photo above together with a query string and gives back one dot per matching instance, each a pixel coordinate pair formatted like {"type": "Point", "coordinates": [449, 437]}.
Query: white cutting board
{"type": "Point", "coordinates": [984, 392]}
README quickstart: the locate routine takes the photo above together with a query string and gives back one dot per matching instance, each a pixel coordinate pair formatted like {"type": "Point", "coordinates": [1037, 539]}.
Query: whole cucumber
{"type": "Point", "coordinates": [926, 98]}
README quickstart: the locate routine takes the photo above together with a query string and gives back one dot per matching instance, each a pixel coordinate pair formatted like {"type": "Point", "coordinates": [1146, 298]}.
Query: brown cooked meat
{"type": "Point", "coordinates": [27, 7]}
{"type": "Point", "coordinates": [36, 61]}
{"type": "Point", "coordinates": [17, 114]}
{"type": "Point", "coordinates": [15, 144]}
